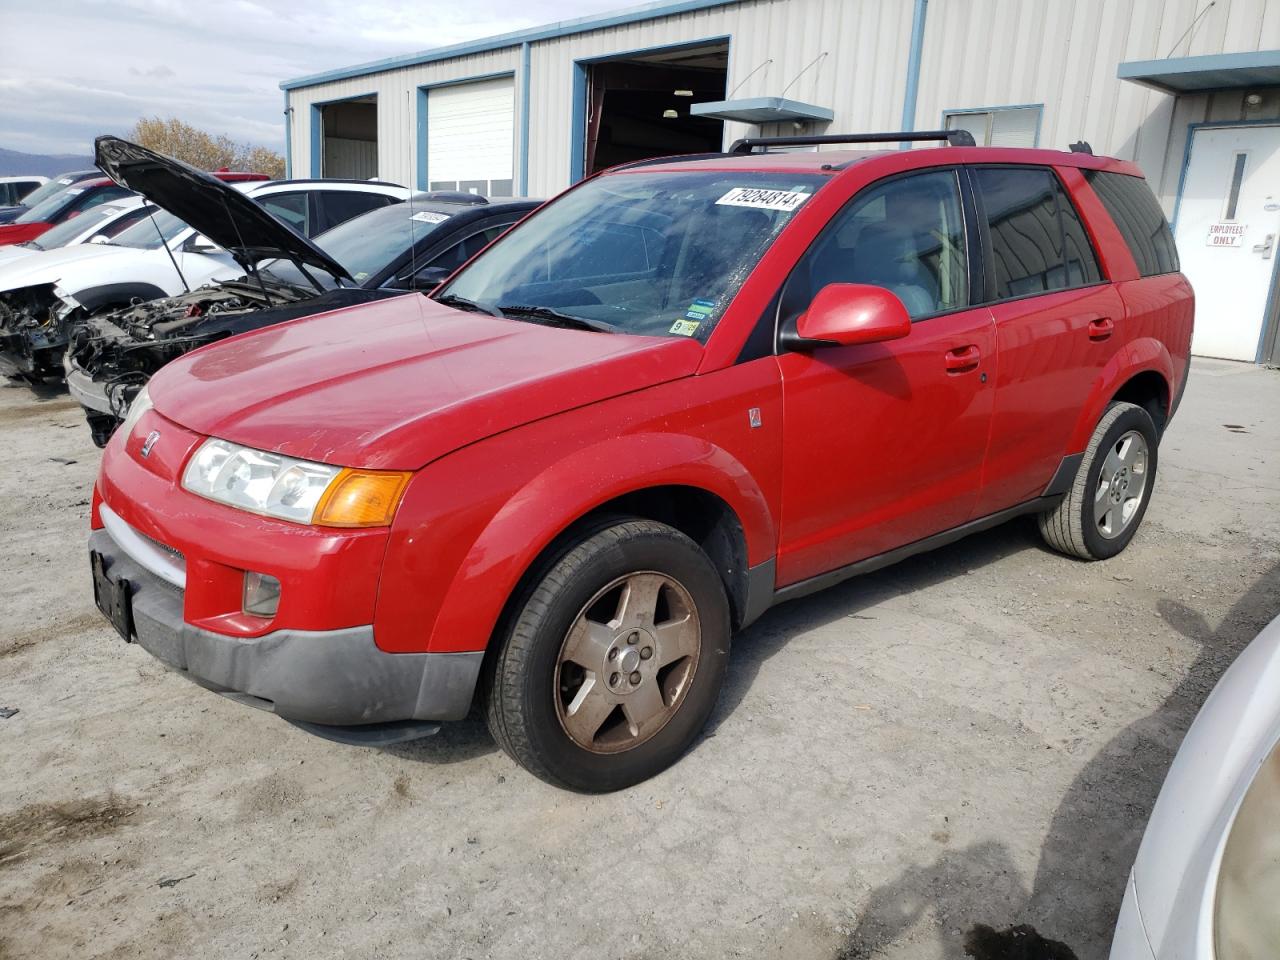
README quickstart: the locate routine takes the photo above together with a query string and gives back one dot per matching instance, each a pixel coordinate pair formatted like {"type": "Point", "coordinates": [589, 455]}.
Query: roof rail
{"type": "Point", "coordinates": [956, 138]}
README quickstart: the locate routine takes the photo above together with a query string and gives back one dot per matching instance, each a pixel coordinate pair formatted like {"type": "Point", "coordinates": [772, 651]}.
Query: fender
{"type": "Point", "coordinates": [93, 299]}
{"type": "Point", "coordinates": [552, 501]}
{"type": "Point", "coordinates": [1137, 356]}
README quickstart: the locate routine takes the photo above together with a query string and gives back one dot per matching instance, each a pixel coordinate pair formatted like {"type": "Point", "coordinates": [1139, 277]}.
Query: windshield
{"type": "Point", "coordinates": [68, 230]}
{"type": "Point", "coordinates": [653, 252]}
{"type": "Point", "coordinates": [50, 207]}
{"type": "Point", "coordinates": [366, 245]}
{"type": "Point", "coordinates": [151, 233]}
{"type": "Point", "coordinates": [45, 191]}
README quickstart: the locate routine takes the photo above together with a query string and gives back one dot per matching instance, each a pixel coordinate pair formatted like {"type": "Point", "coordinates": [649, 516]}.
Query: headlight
{"type": "Point", "coordinates": [1246, 921]}
{"type": "Point", "coordinates": [141, 404]}
{"type": "Point", "coordinates": [297, 490]}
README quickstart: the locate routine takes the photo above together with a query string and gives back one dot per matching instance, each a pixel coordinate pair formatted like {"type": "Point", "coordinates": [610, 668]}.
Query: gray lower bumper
{"type": "Point", "coordinates": [84, 389]}
{"type": "Point", "coordinates": [334, 677]}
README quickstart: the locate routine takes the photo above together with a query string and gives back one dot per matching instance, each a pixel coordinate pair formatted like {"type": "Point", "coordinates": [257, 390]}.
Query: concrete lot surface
{"type": "Point", "coordinates": [972, 737]}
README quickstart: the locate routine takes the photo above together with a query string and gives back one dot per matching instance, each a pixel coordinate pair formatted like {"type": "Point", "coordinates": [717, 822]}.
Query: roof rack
{"type": "Point", "coordinates": [1081, 146]}
{"type": "Point", "coordinates": [956, 138]}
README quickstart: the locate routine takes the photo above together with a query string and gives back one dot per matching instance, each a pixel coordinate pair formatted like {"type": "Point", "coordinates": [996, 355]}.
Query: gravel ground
{"type": "Point", "coordinates": [973, 737]}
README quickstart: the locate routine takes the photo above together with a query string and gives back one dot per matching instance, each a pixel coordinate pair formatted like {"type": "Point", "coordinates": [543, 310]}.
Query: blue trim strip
{"type": "Point", "coordinates": [1269, 309]}
{"type": "Point", "coordinates": [578, 120]}
{"type": "Point", "coordinates": [1038, 107]}
{"type": "Point", "coordinates": [914, 57]}
{"type": "Point", "coordinates": [578, 123]}
{"type": "Point", "coordinates": [562, 28]}
{"type": "Point", "coordinates": [525, 79]}
{"type": "Point", "coordinates": [423, 180]}
{"type": "Point", "coordinates": [288, 139]}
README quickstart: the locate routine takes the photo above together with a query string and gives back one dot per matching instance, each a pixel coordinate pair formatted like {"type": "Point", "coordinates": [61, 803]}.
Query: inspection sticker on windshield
{"type": "Point", "coordinates": [785, 200]}
{"type": "Point", "coordinates": [686, 328]}
{"type": "Point", "coordinates": [699, 310]}
{"type": "Point", "coordinates": [429, 216]}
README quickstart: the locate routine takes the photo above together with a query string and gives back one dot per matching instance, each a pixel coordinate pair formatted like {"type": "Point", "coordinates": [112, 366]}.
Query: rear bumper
{"type": "Point", "coordinates": [331, 677]}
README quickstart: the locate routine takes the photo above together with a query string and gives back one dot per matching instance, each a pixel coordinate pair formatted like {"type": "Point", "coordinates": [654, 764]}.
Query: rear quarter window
{"type": "Point", "coordinates": [1139, 219]}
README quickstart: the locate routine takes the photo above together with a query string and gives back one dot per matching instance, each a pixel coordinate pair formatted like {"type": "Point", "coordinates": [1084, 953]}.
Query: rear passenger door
{"type": "Point", "coordinates": [1056, 320]}
{"type": "Point", "coordinates": [884, 442]}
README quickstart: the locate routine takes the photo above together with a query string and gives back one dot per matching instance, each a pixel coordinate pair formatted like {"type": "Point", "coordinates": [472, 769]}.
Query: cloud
{"type": "Point", "coordinates": [222, 62]}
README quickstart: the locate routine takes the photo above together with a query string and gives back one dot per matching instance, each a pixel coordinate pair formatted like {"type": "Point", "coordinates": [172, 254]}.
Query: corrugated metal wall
{"type": "Point", "coordinates": [1064, 54]}
{"type": "Point", "coordinates": [977, 53]}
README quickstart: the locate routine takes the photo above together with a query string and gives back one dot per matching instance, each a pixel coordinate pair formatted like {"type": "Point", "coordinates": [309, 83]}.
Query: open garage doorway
{"type": "Point", "coordinates": [349, 138]}
{"type": "Point", "coordinates": [638, 105]}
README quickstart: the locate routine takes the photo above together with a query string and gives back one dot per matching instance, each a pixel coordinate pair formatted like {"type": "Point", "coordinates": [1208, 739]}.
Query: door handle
{"type": "Point", "coordinates": [1101, 327]}
{"type": "Point", "coordinates": [963, 359]}
{"type": "Point", "coordinates": [1266, 246]}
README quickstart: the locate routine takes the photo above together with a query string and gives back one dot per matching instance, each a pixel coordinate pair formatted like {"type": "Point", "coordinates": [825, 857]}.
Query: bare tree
{"type": "Point", "coordinates": [180, 140]}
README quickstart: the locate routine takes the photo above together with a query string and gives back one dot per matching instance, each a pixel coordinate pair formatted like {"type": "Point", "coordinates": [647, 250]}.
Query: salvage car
{"type": "Point", "coordinates": [1206, 880]}
{"type": "Point", "coordinates": [14, 189]}
{"type": "Point", "coordinates": [386, 252]}
{"type": "Point", "coordinates": [101, 223]}
{"type": "Point", "coordinates": [43, 297]}
{"type": "Point", "coordinates": [46, 190]}
{"type": "Point", "coordinates": [681, 392]}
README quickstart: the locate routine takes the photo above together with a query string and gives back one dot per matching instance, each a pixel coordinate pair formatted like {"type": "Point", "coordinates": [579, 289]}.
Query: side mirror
{"type": "Point", "coordinates": [845, 314]}
{"type": "Point", "coordinates": [428, 278]}
{"type": "Point", "coordinates": [199, 243]}
{"type": "Point", "coordinates": [99, 238]}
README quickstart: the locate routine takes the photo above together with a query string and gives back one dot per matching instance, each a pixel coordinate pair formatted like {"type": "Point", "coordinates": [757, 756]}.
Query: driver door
{"type": "Point", "coordinates": [884, 443]}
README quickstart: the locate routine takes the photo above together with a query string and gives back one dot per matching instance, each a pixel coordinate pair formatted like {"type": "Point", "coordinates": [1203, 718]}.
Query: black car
{"type": "Point", "coordinates": [388, 252]}
{"type": "Point", "coordinates": [8, 214]}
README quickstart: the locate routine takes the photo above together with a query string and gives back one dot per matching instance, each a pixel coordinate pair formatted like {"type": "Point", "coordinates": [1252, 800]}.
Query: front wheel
{"type": "Point", "coordinates": [1104, 507]}
{"type": "Point", "coordinates": [612, 664]}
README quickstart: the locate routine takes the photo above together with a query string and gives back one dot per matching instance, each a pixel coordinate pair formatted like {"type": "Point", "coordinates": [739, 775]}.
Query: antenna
{"type": "Point", "coordinates": [413, 237]}
{"type": "Point", "coordinates": [151, 215]}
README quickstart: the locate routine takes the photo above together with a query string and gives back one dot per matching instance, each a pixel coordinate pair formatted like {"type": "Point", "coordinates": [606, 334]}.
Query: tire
{"type": "Point", "coordinates": [589, 605]}
{"type": "Point", "coordinates": [1101, 512]}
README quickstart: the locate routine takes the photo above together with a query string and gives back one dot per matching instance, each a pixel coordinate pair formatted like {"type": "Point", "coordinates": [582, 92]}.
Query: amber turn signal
{"type": "Point", "coordinates": [361, 498]}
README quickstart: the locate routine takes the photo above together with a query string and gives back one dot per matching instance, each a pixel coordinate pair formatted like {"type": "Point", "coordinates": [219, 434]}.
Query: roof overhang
{"type": "Point", "coordinates": [1220, 71]}
{"type": "Point", "coordinates": [761, 110]}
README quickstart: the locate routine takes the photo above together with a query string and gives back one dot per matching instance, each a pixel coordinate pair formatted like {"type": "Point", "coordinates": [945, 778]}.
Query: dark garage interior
{"type": "Point", "coordinates": [638, 107]}
{"type": "Point", "coordinates": [350, 148]}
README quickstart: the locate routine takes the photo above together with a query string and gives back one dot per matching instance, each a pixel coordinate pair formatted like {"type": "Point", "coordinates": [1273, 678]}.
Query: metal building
{"type": "Point", "coordinates": [1189, 89]}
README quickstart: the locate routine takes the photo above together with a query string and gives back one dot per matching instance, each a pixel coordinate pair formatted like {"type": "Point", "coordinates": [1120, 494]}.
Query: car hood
{"type": "Point", "coordinates": [399, 383]}
{"type": "Point", "coordinates": [48, 266]}
{"type": "Point", "coordinates": [222, 213]}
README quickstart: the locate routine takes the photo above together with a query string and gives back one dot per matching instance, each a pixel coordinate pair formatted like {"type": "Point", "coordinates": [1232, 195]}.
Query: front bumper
{"type": "Point", "coordinates": [327, 677]}
{"type": "Point", "coordinates": [84, 389]}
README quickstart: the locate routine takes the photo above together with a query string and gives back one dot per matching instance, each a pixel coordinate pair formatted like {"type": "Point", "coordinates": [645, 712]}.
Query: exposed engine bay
{"type": "Point", "coordinates": [119, 351]}
{"type": "Point", "coordinates": [33, 322]}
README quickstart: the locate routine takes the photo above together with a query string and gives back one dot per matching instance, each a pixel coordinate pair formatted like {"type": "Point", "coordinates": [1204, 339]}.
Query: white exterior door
{"type": "Point", "coordinates": [1228, 232]}
{"type": "Point", "coordinates": [471, 137]}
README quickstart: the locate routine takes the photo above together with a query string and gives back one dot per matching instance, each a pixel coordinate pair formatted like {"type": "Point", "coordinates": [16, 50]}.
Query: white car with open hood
{"type": "Point", "coordinates": [202, 234]}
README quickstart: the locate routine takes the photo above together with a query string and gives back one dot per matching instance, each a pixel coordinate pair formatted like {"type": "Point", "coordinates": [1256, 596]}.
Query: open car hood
{"type": "Point", "coordinates": [220, 212]}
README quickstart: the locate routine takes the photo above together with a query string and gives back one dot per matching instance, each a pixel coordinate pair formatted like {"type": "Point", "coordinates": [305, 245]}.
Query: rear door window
{"type": "Point", "coordinates": [1038, 243]}
{"type": "Point", "coordinates": [339, 206]}
{"type": "Point", "coordinates": [1139, 219]}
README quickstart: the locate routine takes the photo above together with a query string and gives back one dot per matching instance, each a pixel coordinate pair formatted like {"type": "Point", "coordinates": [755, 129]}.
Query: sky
{"type": "Point", "coordinates": [73, 69]}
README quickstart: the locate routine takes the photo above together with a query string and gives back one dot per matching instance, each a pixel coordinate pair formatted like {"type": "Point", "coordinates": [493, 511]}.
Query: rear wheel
{"type": "Point", "coordinates": [612, 664]}
{"type": "Point", "coordinates": [1104, 507]}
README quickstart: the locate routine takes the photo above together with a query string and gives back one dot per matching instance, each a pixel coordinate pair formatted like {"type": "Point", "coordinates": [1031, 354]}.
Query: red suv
{"type": "Point", "coordinates": [683, 391]}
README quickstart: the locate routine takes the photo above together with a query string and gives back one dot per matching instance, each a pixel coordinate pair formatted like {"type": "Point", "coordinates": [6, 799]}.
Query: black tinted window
{"type": "Point", "coordinates": [1034, 249]}
{"type": "Point", "coordinates": [904, 234]}
{"type": "Point", "coordinates": [289, 207]}
{"type": "Point", "coordinates": [340, 206]}
{"type": "Point", "coordinates": [1138, 216]}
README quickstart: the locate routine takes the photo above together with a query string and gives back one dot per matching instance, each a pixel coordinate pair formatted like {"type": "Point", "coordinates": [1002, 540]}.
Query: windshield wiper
{"type": "Point", "coordinates": [462, 303]}
{"type": "Point", "coordinates": [558, 318]}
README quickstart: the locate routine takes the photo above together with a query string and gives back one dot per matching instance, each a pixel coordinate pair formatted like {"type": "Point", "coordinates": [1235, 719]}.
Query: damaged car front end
{"type": "Point", "coordinates": [33, 325]}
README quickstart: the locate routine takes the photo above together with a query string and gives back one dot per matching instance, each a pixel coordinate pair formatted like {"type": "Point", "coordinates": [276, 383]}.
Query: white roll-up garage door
{"type": "Point", "coordinates": [471, 137]}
